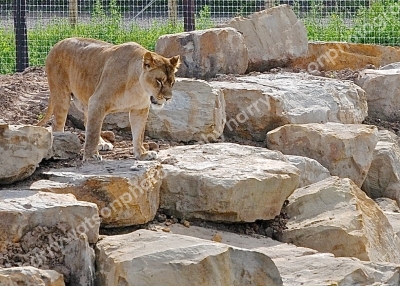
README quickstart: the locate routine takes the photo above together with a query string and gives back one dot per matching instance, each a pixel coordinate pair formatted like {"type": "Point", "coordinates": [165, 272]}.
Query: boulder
{"type": "Point", "coordinates": [22, 210]}
{"type": "Point", "coordinates": [153, 258]}
{"type": "Point", "coordinates": [382, 90]}
{"type": "Point", "coordinates": [310, 170]}
{"type": "Point", "coordinates": [258, 104]}
{"type": "Point", "coordinates": [327, 56]}
{"type": "Point", "coordinates": [126, 192]}
{"type": "Point", "coordinates": [196, 111]}
{"type": "Point", "coordinates": [225, 182]}
{"type": "Point", "coordinates": [274, 37]}
{"type": "Point", "coordinates": [304, 266]}
{"type": "Point", "coordinates": [392, 211]}
{"type": "Point", "coordinates": [206, 53]}
{"type": "Point", "coordinates": [346, 150]}
{"type": "Point", "coordinates": [49, 231]}
{"type": "Point", "coordinates": [335, 216]}
{"type": "Point", "coordinates": [383, 178]}
{"type": "Point", "coordinates": [66, 145]}
{"type": "Point", "coordinates": [28, 275]}
{"type": "Point", "coordinates": [22, 147]}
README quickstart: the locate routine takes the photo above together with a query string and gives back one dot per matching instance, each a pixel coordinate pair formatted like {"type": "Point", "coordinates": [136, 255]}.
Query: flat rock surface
{"type": "Point", "coordinates": [125, 191]}
{"type": "Point", "coordinates": [22, 210]}
{"type": "Point", "coordinates": [225, 182]}
{"type": "Point", "coordinates": [149, 257]}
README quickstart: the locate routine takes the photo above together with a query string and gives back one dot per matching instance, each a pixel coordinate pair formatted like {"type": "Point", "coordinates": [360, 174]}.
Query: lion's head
{"type": "Point", "coordinates": [158, 77]}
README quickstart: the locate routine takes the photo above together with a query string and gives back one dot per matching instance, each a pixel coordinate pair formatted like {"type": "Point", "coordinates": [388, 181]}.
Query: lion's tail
{"type": "Point", "coordinates": [48, 114]}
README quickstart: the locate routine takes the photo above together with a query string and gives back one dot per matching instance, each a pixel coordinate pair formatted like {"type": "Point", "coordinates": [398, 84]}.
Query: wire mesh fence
{"type": "Point", "coordinates": [143, 21]}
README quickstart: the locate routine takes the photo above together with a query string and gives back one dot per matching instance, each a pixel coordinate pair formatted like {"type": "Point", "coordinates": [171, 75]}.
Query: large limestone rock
{"type": "Point", "coordinates": [258, 104]}
{"type": "Point", "coordinates": [29, 275]}
{"type": "Point", "coordinates": [383, 178]}
{"type": "Point", "coordinates": [382, 90]}
{"type": "Point", "coordinates": [66, 145]}
{"type": "Point", "coordinates": [22, 147]}
{"type": "Point", "coordinates": [346, 150]}
{"type": "Point", "coordinates": [335, 216]}
{"type": "Point", "coordinates": [153, 258]}
{"type": "Point", "coordinates": [20, 211]}
{"type": "Point", "coordinates": [304, 266]}
{"type": "Point", "coordinates": [206, 53]}
{"type": "Point", "coordinates": [196, 111]}
{"type": "Point", "coordinates": [338, 56]}
{"type": "Point", "coordinates": [274, 37]}
{"type": "Point", "coordinates": [310, 170]}
{"type": "Point", "coordinates": [126, 192]}
{"type": "Point", "coordinates": [392, 211]}
{"type": "Point", "coordinates": [225, 182]}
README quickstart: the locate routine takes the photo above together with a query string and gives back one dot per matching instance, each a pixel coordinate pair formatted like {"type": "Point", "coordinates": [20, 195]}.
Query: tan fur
{"type": "Point", "coordinates": [103, 78]}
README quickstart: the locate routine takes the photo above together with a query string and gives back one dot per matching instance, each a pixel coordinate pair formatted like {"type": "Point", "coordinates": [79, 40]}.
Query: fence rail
{"type": "Point", "coordinates": [47, 21]}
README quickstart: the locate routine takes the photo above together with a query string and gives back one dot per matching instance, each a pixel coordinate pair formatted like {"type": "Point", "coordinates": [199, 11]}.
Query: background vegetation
{"type": "Point", "coordinates": [376, 24]}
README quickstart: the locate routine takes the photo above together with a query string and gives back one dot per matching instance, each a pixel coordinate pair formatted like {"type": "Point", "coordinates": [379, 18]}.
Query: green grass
{"type": "Point", "coordinates": [42, 39]}
{"type": "Point", "coordinates": [378, 24]}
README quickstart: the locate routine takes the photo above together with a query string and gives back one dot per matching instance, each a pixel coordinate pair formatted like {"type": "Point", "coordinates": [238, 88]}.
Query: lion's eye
{"type": "Point", "coordinates": [159, 82]}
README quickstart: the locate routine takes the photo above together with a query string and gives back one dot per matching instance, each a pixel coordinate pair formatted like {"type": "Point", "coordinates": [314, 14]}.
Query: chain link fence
{"type": "Point", "coordinates": [143, 21]}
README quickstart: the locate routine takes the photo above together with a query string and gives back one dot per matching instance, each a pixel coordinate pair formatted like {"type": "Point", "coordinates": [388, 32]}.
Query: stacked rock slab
{"type": "Point", "coordinates": [29, 275]}
{"type": "Point", "coordinates": [274, 37]}
{"type": "Point", "coordinates": [305, 266]}
{"type": "Point", "coordinates": [382, 90]}
{"type": "Point", "coordinates": [22, 147]}
{"type": "Point", "coordinates": [206, 53]}
{"type": "Point", "coordinates": [383, 178]}
{"type": "Point", "coordinates": [195, 112]}
{"type": "Point", "coordinates": [335, 216]}
{"type": "Point", "coordinates": [126, 192]}
{"type": "Point", "coordinates": [328, 56]}
{"type": "Point", "coordinates": [225, 182]}
{"type": "Point", "coordinates": [258, 104]}
{"type": "Point", "coordinates": [154, 258]}
{"type": "Point", "coordinates": [25, 211]}
{"type": "Point", "coordinates": [346, 150]}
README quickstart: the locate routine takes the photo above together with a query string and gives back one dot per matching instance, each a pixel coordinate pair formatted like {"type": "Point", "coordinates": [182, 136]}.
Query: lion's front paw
{"type": "Point", "coordinates": [151, 155]}
{"type": "Point", "coordinates": [104, 146]}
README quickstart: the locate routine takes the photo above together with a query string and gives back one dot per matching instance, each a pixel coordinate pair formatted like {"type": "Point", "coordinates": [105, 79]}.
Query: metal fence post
{"type": "Point", "coordinates": [188, 15]}
{"type": "Point", "coordinates": [21, 37]}
{"type": "Point", "coordinates": [173, 12]}
{"type": "Point", "coordinates": [73, 12]}
{"type": "Point", "coordinates": [269, 3]}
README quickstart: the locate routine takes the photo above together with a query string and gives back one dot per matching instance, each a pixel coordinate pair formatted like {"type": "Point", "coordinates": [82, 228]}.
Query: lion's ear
{"type": "Point", "coordinates": [175, 62]}
{"type": "Point", "coordinates": [148, 60]}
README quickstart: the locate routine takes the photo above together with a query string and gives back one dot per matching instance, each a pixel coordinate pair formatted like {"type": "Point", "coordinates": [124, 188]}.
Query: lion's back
{"type": "Point", "coordinates": [79, 63]}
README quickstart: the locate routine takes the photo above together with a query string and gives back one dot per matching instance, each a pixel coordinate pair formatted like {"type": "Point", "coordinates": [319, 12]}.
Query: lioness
{"type": "Point", "coordinates": [103, 78]}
